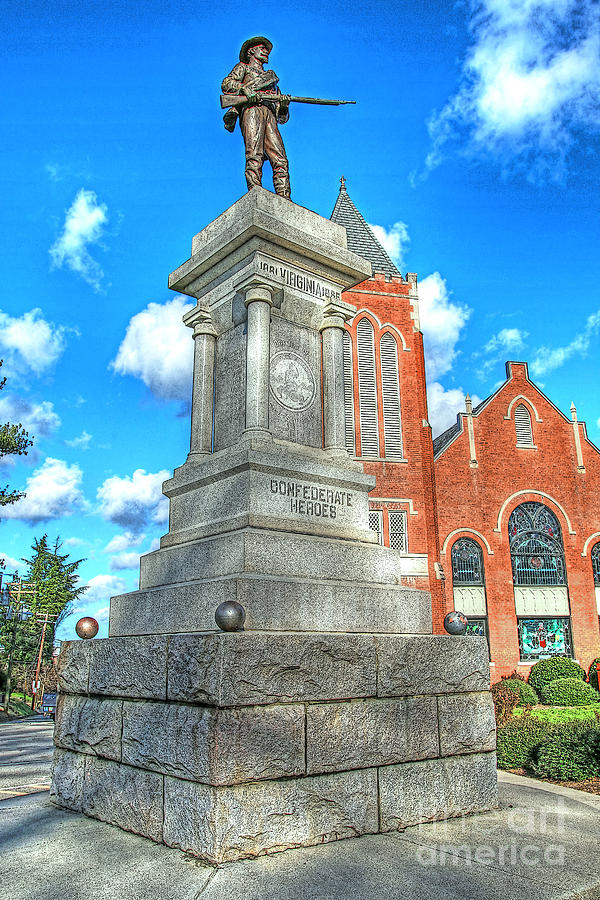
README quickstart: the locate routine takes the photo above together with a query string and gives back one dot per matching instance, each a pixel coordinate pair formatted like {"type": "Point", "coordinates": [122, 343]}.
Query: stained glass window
{"type": "Point", "coordinates": [542, 638]}
{"type": "Point", "coordinates": [467, 562]}
{"type": "Point", "coordinates": [596, 563]}
{"type": "Point", "coordinates": [536, 546]}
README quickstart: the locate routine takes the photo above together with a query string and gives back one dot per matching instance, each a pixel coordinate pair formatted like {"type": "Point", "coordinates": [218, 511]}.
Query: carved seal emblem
{"type": "Point", "coordinates": [292, 383]}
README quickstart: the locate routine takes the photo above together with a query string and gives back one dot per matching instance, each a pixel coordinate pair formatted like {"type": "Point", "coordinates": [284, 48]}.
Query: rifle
{"type": "Point", "coordinates": [239, 100]}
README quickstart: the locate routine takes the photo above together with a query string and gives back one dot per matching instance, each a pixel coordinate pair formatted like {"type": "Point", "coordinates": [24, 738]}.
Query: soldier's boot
{"type": "Point", "coordinates": [281, 181]}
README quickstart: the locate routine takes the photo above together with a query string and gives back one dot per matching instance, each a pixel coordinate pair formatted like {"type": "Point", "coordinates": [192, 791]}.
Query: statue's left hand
{"type": "Point", "coordinates": [285, 99]}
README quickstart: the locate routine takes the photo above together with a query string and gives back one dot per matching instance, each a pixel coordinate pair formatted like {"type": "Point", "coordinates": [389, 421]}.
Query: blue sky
{"type": "Point", "coordinates": [472, 149]}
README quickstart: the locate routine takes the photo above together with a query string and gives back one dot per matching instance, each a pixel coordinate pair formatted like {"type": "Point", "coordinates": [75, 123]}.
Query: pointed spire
{"type": "Point", "coordinates": [361, 239]}
{"type": "Point", "coordinates": [573, 412]}
{"type": "Point", "coordinates": [469, 405]}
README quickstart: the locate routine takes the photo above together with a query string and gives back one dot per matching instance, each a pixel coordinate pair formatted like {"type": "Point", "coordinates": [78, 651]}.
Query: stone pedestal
{"type": "Point", "coordinates": [233, 745]}
{"type": "Point", "coordinates": [336, 712]}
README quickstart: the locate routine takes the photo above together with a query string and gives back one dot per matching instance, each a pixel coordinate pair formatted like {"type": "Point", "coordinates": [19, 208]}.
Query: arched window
{"type": "Point", "coordinates": [536, 546]}
{"type": "Point", "coordinates": [468, 584]}
{"type": "Point", "coordinates": [348, 396]}
{"type": "Point", "coordinates": [467, 562]}
{"type": "Point", "coordinates": [540, 582]}
{"type": "Point", "coordinates": [523, 426]}
{"type": "Point", "coordinates": [367, 389]}
{"type": "Point", "coordinates": [390, 392]}
{"type": "Point", "coordinates": [595, 554]}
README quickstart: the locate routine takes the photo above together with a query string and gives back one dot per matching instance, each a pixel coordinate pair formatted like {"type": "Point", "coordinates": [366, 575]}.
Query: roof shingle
{"type": "Point", "coordinates": [361, 239]}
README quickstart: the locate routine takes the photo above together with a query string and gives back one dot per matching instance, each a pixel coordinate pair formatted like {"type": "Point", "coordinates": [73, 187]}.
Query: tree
{"type": "Point", "coordinates": [55, 580]}
{"type": "Point", "coordinates": [13, 440]}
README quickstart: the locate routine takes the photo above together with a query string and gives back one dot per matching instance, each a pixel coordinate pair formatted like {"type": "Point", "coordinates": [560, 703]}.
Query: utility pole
{"type": "Point", "coordinates": [18, 592]}
{"type": "Point", "coordinates": [45, 618]}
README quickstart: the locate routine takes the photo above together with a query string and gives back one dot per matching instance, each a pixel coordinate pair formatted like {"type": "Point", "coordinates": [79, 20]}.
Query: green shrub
{"type": "Point", "coordinates": [547, 670]}
{"type": "Point", "coordinates": [527, 695]}
{"type": "Point", "coordinates": [568, 755]}
{"type": "Point", "coordinates": [593, 674]}
{"type": "Point", "coordinates": [505, 698]}
{"type": "Point", "coordinates": [518, 738]}
{"type": "Point", "coordinates": [569, 692]}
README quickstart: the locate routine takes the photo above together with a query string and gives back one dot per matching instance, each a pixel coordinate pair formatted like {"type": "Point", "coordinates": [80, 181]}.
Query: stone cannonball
{"type": "Point", "coordinates": [87, 628]}
{"type": "Point", "coordinates": [230, 616]}
{"type": "Point", "coordinates": [456, 622]}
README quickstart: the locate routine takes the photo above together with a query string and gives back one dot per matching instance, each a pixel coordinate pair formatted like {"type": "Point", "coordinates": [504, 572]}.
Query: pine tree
{"type": "Point", "coordinates": [13, 440]}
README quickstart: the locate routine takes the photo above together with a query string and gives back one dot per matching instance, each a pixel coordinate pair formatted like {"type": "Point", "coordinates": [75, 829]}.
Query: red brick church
{"type": "Point", "coordinates": [499, 516]}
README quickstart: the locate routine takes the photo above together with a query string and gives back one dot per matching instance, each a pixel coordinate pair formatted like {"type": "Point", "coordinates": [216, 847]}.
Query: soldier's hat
{"type": "Point", "coordinates": [252, 42]}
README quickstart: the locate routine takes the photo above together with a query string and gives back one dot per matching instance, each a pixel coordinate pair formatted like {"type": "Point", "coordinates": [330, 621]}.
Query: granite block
{"type": "Point", "coordinates": [67, 777]}
{"type": "Point", "coordinates": [436, 789]}
{"type": "Point", "coordinates": [309, 606]}
{"type": "Point", "coordinates": [73, 667]}
{"type": "Point", "coordinates": [431, 664]}
{"type": "Point", "coordinates": [227, 823]}
{"type": "Point", "coordinates": [365, 733]}
{"type": "Point", "coordinates": [129, 667]}
{"type": "Point", "coordinates": [214, 746]}
{"type": "Point", "coordinates": [124, 796]}
{"type": "Point", "coordinates": [467, 723]}
{"type": "Point", "coordinates": [89, 725]}
{"type": "Point", "coordinates": [249, 668]}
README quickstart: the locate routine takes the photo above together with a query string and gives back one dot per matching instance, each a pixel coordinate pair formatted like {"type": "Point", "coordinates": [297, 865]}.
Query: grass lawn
{"type": "Point", "coordinates": [563, 713]}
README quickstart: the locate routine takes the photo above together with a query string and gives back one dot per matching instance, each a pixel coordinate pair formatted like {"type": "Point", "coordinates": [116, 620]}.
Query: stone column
{"type": "Point", "coordinates": [258, 301]}
{"type": "Point", "coordinates": [205, 338]}
{"type": "Point", "coordinates": [332, 330]}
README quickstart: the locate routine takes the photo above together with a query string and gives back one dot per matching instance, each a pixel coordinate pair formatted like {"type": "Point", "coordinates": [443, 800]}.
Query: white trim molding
{"type": "Point", "coordinates": [536, 493]}
{"type": "Point", "coordinates": [470, 531]}
{"type": "Point", "coordinates": [410, 503]}
{"type": "Point", "coordinates": [592, 537]}
{"type": "Point", "coordinates": [370, 314]}
{"type": "Point", "coordinates": [527, 400]}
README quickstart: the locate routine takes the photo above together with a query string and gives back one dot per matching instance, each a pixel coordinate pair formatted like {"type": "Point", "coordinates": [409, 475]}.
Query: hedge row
{"type": "Point", "coordinates": [563, 752]}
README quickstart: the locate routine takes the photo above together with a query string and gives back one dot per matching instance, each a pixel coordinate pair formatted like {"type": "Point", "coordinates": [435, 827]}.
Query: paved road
{"type": "Point", "coordinates": [25, 755]}
{"type": "Point", "coordinates": [542, 844]}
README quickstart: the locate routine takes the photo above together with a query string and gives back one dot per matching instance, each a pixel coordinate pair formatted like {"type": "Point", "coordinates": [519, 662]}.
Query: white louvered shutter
{"type": "Point", "coordinates": [348, 396]}
{"type": "Point", "coordinates": [398, 535]}
{"type": "Point", "coordinates": [390, 391]}
{"type": "Point", "coordinates": [367, 389]}
{"type": "Point", "coordinates": [523, 426]}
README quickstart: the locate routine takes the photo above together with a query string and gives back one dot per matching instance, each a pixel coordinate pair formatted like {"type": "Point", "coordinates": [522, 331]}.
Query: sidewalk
{"type": "Point", "coordinates": [540, 845]}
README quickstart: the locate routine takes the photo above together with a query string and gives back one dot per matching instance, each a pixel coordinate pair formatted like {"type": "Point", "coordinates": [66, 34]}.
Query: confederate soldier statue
{"type": "Point", "coordinates": [258, 114]}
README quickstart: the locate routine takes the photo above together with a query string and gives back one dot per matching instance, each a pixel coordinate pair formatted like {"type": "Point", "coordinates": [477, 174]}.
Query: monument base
{"type": "Point", "coordinates": [231, 745]}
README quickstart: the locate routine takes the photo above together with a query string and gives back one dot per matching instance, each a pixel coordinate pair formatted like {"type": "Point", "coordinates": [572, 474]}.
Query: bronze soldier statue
{"type": "Point", "coordinates": [259, 115]}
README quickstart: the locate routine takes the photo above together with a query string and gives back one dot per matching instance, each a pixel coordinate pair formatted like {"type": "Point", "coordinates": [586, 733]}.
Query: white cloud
{"type": "Point", "coordinates": [100, 589]}
{"type": "Point", "coordinates": [102, 615]}
{"type": "Point", "coordinates": [155, 544]}
{"type": "Point", "coordinates": [441, 323]}
{"type": "Point", "coordinates": [11, 564]}
{"type": "Point", "coordinates": [124, 541]}
{"type": "Point", "coordinates": [84, 223]}
{"type": "Point", "coordinates": [124, 561]}
{"type": "Point", "coordinates": [547, 359]}
{"type": "Point", "coordinates": [29, 342]}
{"type": "Point", "coordinates": [133, 502]}
{"type": "Point", "coordinates": [444, 405]}
{"type": "Point", "coordinates": [530, 82]}
{"type": "Point", "coordinates": [74, 542]}
{"type": "Point", "coordinates": [158, 349]}
{"type": "Point", "coordinates": [394, 241]}
{"type": "Point", "coordinates": [39, 419]}
{"type": "Point", "coordinates": [51, 492]}
{"type": "Point", "coordinates": [82, 442]}
{"type": "Point", "coordinates": [508, 339]}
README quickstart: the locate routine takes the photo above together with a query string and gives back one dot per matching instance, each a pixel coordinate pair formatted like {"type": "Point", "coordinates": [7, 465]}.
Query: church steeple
{"type": "Point", "coordinates": [361, 239]}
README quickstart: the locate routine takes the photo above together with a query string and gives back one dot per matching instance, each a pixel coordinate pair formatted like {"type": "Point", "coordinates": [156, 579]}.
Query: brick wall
{"type": "Point", "coordinates": [480, 498]}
